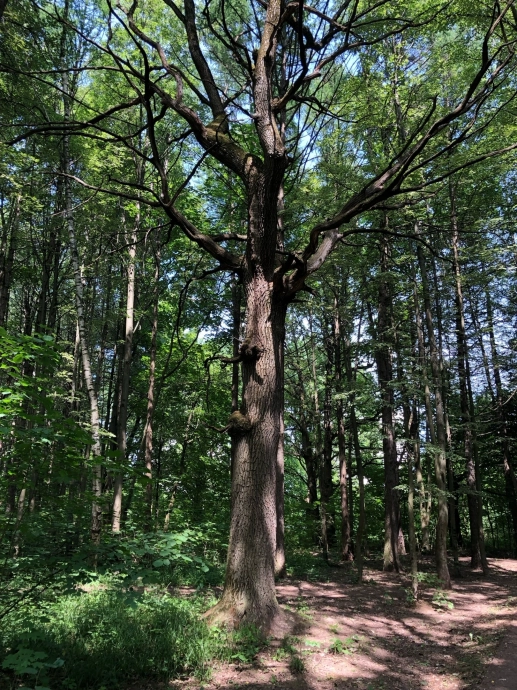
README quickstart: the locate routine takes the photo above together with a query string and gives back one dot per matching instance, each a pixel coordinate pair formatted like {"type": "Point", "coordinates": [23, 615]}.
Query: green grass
{"type": "Point", "coordinates": [106, 638]}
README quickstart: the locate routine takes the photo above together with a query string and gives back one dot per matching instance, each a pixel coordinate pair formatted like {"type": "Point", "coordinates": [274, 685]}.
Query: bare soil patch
{"type": "Point", "coordinates": [370, 637]}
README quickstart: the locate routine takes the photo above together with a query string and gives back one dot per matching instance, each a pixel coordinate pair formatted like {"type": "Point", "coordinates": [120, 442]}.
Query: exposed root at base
{"type": "Point", "coordinates": [275, 622]}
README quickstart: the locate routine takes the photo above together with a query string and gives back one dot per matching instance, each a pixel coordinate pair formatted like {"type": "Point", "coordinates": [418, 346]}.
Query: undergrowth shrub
{"type": "Point", "coordinates": [107, 637]}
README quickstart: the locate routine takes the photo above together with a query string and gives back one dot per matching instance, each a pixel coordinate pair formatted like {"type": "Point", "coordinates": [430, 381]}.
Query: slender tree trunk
{"type": "Point", "coordinates": [125, 377]}
{"type": "Point", "coordinates": [7, 253]}
{"type": "Point", "coordinates": [413, 452]}
{"type": "Point", "coordinates": [302, 421]}
{"type": "Point", "coordinates": [385, 374]}
{"type": "Point", "coordinates": [425, 500]}
{"type": "Point", "coordinates": [508, 468]}
{"type": "Point", "coordinates": [148, 429]}
{"type": "Point", "coordinates": [326, 485]}
{"type": "Point", "coordinates": [440, 454]}
{"type": "Point", "coordinates": [454, 524]}
{"type": "Point", "coordinates": [479, 333]}
{"type": "Point", "coordinates": [361, 527]}
{"type": "Point", "coordinates": [319, 454]}
{"type": "Point", "coordinates": [466, 419]}
{"type": "Point", "coordinates": [96, 523]}
{"type": "Point", "coordinates": [410, 421]}
{"type": "Point", "coordinates": [346, 538]}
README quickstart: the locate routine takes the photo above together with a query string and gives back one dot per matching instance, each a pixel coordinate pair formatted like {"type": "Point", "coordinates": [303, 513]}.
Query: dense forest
{"type": "Point", "coordinates": [258, 314]}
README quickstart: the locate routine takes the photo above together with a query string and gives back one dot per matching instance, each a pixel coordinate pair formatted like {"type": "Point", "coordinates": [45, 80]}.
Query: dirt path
{"type": "Point", "coordinates": [501, 673]}
{"type": "Point", "coordinates": [369, 637]}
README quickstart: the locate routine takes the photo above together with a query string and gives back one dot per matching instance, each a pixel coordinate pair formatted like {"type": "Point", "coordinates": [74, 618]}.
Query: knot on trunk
{"type": "Point", "coordinates": [248, 352]}
{"type": "Point", "coordinates": [238, 423]}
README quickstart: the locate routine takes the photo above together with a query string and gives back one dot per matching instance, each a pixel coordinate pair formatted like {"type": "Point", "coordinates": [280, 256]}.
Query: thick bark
{"type": "Point", "coordinates": [236, 331]}
{"type": "Point", "coordinates": [280, 564]}
{"type": "Point", "coordinates": [249, 593]}
{"type": "Point", "coordinates": [249, 589]}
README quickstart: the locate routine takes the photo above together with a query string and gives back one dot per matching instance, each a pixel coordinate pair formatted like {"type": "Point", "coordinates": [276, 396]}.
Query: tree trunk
{"type": "Point", "coordinates": [410, 421]}
{"type": "Point", "coordinates": [96, 522]}
{"type": "Point", "coordinates": [359, 550]}
{"type": "Point", "coordinates": [321, 447]}
{"type": "Point", "coordinates": [346, 532]}
{"type": "Point", "coordinates": [307, 451]}
{"type": "Point", "coordinates": [249, 593]}
{"type": "Point", "coordinates": [383, 357]}
{"type": "Point", "coordinates": [326, 486]}
{"type": "Point", "coordinates": [7, 252]}
{"type": "Point", "coordinates": [508, 469]}
{"type": "Point", "coordinates": [413, 452]}
{"type": "Point", "coordinates": [466, 420]}
{"type": "Point", "coordinates": [440, 454]}
{"type": "Point", "coordinates": [125, 377]}
{"type": "Point", "coordinates": [148, 429]}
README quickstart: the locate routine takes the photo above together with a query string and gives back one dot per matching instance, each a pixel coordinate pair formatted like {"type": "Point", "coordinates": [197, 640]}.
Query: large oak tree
{"type": "Point", "coordinates": [254, 85]}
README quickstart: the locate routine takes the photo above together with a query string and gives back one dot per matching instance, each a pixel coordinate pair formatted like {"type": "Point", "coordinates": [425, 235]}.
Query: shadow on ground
{"type": "Point", "coordinates": [369, 637]}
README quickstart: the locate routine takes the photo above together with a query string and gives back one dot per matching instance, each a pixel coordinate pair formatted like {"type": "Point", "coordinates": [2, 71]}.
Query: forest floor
{"type": "Point", "coordinates": [370, 637]}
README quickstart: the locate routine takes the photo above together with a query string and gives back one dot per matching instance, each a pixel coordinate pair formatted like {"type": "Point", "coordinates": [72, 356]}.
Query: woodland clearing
{"type": "Point", "coordinates": [370, 637]}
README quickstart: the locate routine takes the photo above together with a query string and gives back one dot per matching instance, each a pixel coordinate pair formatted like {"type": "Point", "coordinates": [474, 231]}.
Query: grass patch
{"type": "Point", "coordinates": [239, 646]}
{"type": "Point", "coordinates": [303, 565]}
{"type": "Point", "coordinates": [348, 646]}
{"type": "Point", "coordinates": [296, 665]}
{"type": "Point", "coordinates": [105, 638]}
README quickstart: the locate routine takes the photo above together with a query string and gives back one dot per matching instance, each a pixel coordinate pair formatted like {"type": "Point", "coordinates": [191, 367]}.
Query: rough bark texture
{"type": "Point", "coordinates": [249, 594]}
